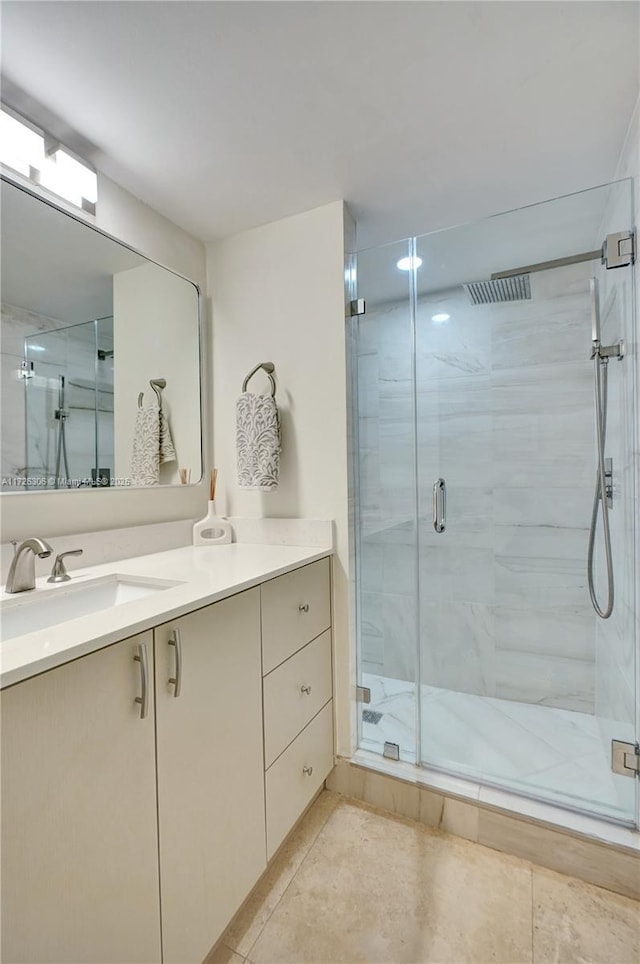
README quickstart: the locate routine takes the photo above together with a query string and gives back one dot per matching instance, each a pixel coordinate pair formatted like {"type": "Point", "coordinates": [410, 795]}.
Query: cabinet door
{"type": "Point", "coordinates": [79, 832]}
{"type": "Point", "coordinates": [210, 771]}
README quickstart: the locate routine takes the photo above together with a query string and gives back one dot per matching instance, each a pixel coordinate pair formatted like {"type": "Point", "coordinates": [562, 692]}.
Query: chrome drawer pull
{"type": "Point", "coordinates": [143, 699]}
{"type": "Point", "coordinates": [303, 608]}
{"type": "Point", "coordinates": [175, 640]}
{"type": "Point", "coordinates": [306, 689]}
{"type": "Point", "coordinates": [307, 770]}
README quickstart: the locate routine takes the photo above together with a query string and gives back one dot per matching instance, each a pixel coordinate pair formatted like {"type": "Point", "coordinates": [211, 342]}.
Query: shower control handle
{"type": "Point", "coordinates": [439, 505]}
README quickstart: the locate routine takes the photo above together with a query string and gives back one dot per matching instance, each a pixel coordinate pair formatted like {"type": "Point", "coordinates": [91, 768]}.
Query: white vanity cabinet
{"type": "Point", "coordinates": [79, 833]}
{"type": "Point", "coordinates": [138, 809]}
{"type": "Point", "coordinates": [210, 771]}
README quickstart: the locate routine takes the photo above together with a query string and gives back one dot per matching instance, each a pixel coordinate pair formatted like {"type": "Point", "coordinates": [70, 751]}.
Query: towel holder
{"type": "Point", "coordinates": [269, 368]}
{"type": "Point", "coordinates": [157, 385]}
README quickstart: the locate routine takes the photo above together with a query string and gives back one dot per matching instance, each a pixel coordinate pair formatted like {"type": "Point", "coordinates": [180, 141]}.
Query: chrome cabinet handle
{"type": "Point", "coordinates": [439, 505]}
{"type": "Point", "coordinates": [174, 640]}
{"type": "Point", "coordinates": [303, 608]}
{"type": "Point", "coordinates": [306, 689]}
{"type": "Point", "coordinates": [307, 770]}
{"type": "Point", "coordinates": [143, 699]}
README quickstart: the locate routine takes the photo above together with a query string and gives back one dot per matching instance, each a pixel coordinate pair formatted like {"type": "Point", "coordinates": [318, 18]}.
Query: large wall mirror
{"type": "Point", "coordinates": [100, 358]}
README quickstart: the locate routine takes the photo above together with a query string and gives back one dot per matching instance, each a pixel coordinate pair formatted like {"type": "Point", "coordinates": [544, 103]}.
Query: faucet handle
{"type": "Point", "coordinates": [59, 572]}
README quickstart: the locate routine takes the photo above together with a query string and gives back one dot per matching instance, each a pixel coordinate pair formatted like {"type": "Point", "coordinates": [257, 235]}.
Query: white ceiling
{"type": "Point", "coordinates": [223, 116]}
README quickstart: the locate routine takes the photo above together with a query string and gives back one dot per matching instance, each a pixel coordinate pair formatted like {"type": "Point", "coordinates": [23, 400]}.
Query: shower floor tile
{"type": "Point", "coordinates": [555, 754]}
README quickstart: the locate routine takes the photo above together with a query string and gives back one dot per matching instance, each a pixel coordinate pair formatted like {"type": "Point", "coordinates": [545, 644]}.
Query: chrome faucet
{"type": "Point", "coordinates": [22, 574]}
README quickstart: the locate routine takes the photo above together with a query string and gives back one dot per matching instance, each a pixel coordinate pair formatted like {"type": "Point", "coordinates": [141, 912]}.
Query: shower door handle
{"type": "Point", "coordinates": [439, 505]}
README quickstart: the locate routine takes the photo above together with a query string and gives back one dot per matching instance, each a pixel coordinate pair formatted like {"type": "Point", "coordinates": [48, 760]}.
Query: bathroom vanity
{"type": "Point", "coordinates": [147, 780]}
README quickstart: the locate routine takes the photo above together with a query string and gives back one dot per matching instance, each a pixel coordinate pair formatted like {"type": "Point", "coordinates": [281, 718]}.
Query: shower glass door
{"type": "Point", "coordinates": [384, 470]}
{"type": "Point", "coordinates": [522, 685]}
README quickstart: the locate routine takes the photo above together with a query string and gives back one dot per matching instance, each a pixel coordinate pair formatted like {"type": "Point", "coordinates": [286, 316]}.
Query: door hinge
{"type": "Point", "coordinates": [619, 250]}
{"type": "Point", "coordinates": [625, 758]}
{"type": "Point", "coordinates": [391, 750]}
{"type": "Point", "coordinates": [357, 307]}
{"type": "Point", "coordinates": [363, 694]}
{"type": "Point", "coordinates": [26, 370]}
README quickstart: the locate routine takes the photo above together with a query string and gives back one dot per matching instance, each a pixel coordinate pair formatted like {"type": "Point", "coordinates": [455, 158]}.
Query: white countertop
{"type": "Point", "coordinates": [206, 574]}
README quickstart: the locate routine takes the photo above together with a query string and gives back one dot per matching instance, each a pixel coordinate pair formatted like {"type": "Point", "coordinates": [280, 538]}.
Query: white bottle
{"type": "Point", "coordinates": [213, 530]}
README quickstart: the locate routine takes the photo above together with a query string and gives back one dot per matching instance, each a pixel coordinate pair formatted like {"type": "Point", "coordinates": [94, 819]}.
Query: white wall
{"type": "Point", "coordinates": [156, 336]}
{"type": "Point", "coordinates": [277, 294]}
{"type": "Point", "coordinates": [128, 219]}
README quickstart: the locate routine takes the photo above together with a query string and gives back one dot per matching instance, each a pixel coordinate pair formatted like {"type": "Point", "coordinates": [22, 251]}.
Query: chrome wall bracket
{"type": "Point", "coordinates": [357, 307]}
{"type": "Point", "coordinates": [625, 758]}
{"type": "Point", "coordinates": [619, 250]}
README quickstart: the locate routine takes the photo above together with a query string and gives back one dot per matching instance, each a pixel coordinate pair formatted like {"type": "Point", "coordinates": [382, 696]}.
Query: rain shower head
{"type": "Point", "coordinates": [516, 287]}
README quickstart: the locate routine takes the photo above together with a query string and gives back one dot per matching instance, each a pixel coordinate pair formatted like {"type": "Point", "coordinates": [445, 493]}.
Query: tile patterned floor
{"type": "Point", "coordinates": [354, 885]}
{"type": "Point", "coordinates": [560, 755]}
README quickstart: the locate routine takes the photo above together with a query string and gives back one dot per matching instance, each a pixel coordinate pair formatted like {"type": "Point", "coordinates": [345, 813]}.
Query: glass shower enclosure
{"type": "Point", "coordinates": [69, 406]}
{"type": "Point", "coordinates": [477, 482]}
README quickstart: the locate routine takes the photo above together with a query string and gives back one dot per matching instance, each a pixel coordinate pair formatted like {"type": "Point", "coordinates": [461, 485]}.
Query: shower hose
{"type": "Point", "coordinates": [600, 369]}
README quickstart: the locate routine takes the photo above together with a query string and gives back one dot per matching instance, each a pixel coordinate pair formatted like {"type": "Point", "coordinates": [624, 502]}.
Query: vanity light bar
{"type": "Point", "coordinates": [25, 149]}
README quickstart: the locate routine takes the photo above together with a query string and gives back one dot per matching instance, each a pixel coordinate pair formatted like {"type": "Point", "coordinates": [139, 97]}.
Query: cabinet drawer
{"type": "Point", "coordinates": [296, 608]}
{"type": "Point", "coordinates": [289, 785]}
{"type": "Point", "coordinates": [293, 694]}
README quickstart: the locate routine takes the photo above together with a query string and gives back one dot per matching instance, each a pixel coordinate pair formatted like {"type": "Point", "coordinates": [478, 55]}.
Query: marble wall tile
{"type": "Point", "coordinates": [371, 566]}
{"type": "Point", "coordinates": [544, 679]}
{"type": "Point", "coordinates": [458, 647]}
{"type": "Point", "coordinates": [540, 566]}
{"type": "Point", "coordinates": [555, 506]}
{"type": "Point", "coordinates": [554, 328]}
{"type": "Point", "coordinates": [458, 348]}
{"type": "Point", "coordinates": [559, 630]}
{"type": "Point", "coordinates": [400, 632]}
{"type": "Point", "coordinates": [400, 570]}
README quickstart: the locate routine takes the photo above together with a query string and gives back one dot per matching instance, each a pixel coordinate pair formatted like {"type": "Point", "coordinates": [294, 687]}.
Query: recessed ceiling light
{"type": "Point", "coordinates": [440, 318]}
{"type": "Point", "coordinates": [406, 264]}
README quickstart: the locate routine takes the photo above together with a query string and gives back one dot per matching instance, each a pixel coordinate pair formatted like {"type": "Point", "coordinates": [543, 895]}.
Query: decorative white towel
{"type": "Point", "coordinates": [258, 441]}
{"type": "Point", "coordinates": [152, 444]}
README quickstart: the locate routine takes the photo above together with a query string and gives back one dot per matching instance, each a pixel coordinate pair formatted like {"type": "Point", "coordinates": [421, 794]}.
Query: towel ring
{"type": "Point", "coordinates": [269, 368]}
{"type": "Point", "coordinates": [157, 385]}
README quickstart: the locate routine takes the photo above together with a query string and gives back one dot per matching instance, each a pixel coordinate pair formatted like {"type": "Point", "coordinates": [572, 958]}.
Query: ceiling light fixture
{"type": "Point", "coordinates": [440, 318]}
{"type": "Point", "coordinates": [407, 264]}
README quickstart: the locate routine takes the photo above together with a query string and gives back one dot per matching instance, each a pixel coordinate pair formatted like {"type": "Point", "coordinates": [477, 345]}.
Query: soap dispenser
{"type": "Point", "coordinates": [213, 530]}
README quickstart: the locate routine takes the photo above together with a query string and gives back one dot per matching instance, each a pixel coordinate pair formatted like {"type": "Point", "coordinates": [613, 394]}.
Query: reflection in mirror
{"type": "Point", "coordinates": [100, 358]}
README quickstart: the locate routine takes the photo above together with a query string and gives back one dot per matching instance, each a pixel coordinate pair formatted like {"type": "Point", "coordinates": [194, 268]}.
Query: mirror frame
{"type": "Point", "coordinates": [7, 176]}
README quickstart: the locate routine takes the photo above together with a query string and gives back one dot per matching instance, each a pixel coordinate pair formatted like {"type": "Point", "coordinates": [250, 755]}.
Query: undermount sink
{"type": "Point", "coordinates": [42, 608]}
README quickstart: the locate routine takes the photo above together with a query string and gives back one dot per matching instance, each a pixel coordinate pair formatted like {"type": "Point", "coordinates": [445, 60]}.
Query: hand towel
{"type": "Point", "coordinates": [258, 442]}
{"type": "Point", "coordinates": [165, 442]}
{"type": "Point", "coordinates": [152, 444]}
